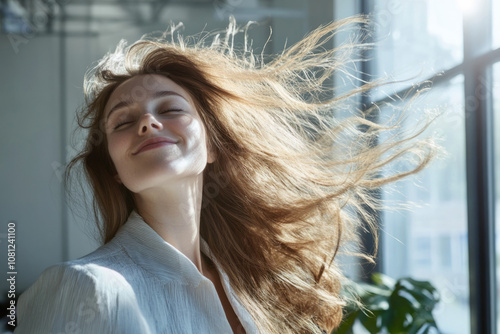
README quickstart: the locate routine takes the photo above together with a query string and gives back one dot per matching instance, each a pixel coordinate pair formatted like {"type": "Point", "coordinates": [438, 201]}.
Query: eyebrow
{"type": "Point", "coordinates": [156, 95]}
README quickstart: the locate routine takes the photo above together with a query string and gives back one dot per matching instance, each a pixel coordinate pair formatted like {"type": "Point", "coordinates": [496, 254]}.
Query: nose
{"type": "Point", "coordinates": [149, 123]}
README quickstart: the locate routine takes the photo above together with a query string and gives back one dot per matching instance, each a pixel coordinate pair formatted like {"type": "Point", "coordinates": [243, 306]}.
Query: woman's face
{"type": "Point", "coordinates": [154, 133]}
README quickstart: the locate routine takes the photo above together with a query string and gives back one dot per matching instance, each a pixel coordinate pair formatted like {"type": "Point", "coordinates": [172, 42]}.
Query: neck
{"type": "Point", "coordinates": [174, 213]}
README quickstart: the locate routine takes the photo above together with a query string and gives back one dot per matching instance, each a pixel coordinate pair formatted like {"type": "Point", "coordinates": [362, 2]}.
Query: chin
{"type": "Point", "coordinates": [161, 180]}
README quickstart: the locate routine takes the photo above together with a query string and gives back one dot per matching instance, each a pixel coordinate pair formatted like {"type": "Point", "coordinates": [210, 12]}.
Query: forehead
{"type": "Point", "coordinates": [141, 88]}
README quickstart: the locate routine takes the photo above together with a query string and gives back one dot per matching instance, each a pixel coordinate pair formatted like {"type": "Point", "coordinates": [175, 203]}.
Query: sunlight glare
{"type": "Point", "coordinates": [467, 6]}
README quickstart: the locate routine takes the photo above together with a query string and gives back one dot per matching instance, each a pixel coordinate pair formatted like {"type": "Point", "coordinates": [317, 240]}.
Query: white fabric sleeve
{"type": "Point", "coordinates": [75, 299]}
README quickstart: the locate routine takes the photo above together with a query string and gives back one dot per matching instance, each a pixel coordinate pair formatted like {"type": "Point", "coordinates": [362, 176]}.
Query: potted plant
{"type": "Point", "coordinates": [390, 306]}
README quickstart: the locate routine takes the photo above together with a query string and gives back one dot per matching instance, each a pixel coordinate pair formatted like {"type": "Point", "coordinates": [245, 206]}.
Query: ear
{"type": "Point", "coordinates": [117, 178]}
{"type": "Point", "coordinates": [211, 150]}
{"type": "Point", "coordinates": [211, 156]}
{"type": "Point", "coordinates": [211, 153]}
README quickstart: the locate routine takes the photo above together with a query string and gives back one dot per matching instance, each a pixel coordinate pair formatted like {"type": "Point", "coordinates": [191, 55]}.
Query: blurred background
{"type": "Point", "coordinates": [448, 237]}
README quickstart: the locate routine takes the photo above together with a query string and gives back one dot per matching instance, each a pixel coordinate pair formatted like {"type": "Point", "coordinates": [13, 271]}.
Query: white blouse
{"type": "Point", "coordinates": [137, 283]}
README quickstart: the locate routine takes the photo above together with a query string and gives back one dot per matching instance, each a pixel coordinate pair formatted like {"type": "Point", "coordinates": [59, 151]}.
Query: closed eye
{"type": "Point", "coordinates": [121, 124]}
{"type": "Point", "coordinates": [169, 110]}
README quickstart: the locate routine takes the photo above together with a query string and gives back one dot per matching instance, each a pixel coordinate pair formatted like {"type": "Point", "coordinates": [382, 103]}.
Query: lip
{"type": "Point", "coordinates": [152, 143]}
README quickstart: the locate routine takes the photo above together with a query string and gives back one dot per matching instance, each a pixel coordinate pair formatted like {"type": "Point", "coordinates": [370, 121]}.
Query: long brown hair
{"type": "Point", "coordinates": [292, 182]}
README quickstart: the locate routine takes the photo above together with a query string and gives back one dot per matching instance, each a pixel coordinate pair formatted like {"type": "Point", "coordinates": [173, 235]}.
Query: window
{"type": "Point", "coordinates": [496, 24]}
{"type": "Point", "coordinates": [427, 241]}
{"type": "Point", "coordinates": [448, 237]}
{"type": "Point", "coordinates": [413, 39]}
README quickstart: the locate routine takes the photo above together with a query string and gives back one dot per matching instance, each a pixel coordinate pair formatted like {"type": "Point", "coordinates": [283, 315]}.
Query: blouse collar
{"type": "Point", "coordinates": [149, 251]}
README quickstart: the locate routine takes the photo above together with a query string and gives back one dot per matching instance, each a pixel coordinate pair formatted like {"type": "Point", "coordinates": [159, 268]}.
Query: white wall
{"type": "Point", "coordinates": [30, 134]}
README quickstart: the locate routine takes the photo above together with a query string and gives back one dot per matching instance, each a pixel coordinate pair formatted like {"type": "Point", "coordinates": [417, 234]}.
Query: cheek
{"type": "Point", "coordinates": [181, 123]}
{"type": "Point", "coordinates": [191, 129]}
{"type": "Point", "coordinates": [196, 132]}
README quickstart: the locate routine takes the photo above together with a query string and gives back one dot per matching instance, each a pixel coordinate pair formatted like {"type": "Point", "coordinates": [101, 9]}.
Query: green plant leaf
{"type": "Point", "coordinates": [371, 321]}
{"type": "Point", "coordinates": [376, 302]}
{"type": "Point", "coordinates": [367, 289]}
{"type": "Point", "coordinates": [423, 327]}
{"type": "Point", "coordinates": [394, 306]}
{"type": "Point", "coordinates": [423, 293]}
{"type": "Point", "coordinates": [403, 307]}
{"type": "Point", "coordinates": [383, 280]}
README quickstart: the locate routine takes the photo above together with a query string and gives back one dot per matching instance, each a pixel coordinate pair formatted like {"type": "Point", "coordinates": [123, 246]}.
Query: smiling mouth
{"type": "Point", "coordinates": [152, 144]}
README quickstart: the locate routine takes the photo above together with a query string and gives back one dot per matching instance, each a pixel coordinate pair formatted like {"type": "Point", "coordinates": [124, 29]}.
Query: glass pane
{"type": "Point", "coordinates": [496, 23]}
{"type": "Point", "coordinates": [429, 240]}
{"type": "Point", "coordinates": [417, 38]}
{"type": "Point", "coordinates": [496, 115]}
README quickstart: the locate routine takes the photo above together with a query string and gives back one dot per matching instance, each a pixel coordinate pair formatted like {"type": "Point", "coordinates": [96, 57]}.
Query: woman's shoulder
{"type": "Point", "coordinates": [84, 294]}
{"type": "Point", "coordinates": [98, 273]}
{"type": "Point", "coordinates": [85, 273]}
{"type": "Point", "coordinates": [109, 261]}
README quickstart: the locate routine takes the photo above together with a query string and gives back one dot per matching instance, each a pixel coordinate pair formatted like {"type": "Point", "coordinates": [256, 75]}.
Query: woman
{"type": "Point", "coordinates": [224, 187]}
